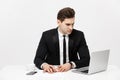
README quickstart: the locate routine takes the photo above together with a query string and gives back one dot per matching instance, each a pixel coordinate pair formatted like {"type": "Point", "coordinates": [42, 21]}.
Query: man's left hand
{"type": "Point", "coordinates": [64, 67]}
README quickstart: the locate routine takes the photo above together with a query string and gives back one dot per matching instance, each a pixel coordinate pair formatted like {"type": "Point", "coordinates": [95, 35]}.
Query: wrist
{"type": "Point", "coordinates": [71, 65]}
{"type": "Point", "coordinates": [43, 65]}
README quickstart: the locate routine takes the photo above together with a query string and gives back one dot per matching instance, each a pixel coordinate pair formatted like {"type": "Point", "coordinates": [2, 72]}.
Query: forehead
{"type": "Point", "coordinates": [69, 20]}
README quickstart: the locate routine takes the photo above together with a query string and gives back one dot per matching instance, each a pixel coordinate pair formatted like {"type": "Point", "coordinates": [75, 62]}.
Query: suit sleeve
{"type": "Point", "coordinates": [41, 52]}
{"type": "Point", "coordinates": [83, 53]}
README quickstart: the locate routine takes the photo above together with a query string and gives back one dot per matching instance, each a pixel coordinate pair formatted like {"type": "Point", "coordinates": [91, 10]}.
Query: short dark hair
{"type": "Point", "coordinates": [64, 13]}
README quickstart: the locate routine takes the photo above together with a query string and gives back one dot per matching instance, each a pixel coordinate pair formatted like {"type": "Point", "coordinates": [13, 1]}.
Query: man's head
{"type": "Point", "coordinates": [65, 20]}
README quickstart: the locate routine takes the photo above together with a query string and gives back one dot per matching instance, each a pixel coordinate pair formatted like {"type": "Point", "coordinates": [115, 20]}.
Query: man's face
{"type": "Point", "coordinates": [66, 26]}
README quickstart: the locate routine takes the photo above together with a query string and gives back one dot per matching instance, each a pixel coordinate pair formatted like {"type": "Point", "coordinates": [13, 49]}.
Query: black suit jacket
{"type": "Point", "coordinates": [48, 49]}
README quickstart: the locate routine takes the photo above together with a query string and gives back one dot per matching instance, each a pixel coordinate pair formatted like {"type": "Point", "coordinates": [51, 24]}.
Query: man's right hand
{"type": "Point", "coordinates": [49, 68]}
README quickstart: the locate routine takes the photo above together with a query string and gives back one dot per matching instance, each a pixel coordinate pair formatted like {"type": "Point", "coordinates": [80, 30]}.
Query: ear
{"type": "Point", "coordinates": [58, 22]}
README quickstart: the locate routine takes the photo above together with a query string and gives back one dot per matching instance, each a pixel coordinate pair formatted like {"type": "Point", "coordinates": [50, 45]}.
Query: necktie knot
{"type": "Point", "coordinates": [64, 36]}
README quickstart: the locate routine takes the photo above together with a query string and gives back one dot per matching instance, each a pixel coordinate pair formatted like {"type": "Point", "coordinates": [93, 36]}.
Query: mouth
{"type": "Point", "coordinates": [69, 31]}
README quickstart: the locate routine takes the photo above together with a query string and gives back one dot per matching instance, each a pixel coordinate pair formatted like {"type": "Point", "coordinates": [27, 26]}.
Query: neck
{"type": "Point", "coordinates": [61, 31]}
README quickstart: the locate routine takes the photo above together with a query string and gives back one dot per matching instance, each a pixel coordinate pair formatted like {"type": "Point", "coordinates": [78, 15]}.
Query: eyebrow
{"type": "Point", "coordinates": [69, 24]}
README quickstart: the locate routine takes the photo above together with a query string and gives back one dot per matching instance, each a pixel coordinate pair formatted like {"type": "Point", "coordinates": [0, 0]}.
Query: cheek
{"type": "Point", "coordinates": [65, 28]}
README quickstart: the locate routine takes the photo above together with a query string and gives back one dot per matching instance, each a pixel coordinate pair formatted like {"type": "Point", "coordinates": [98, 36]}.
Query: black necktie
{"type": "Point", "coordinates": [64, 49]}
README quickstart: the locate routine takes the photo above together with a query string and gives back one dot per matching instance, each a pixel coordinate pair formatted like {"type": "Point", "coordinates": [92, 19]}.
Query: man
{"type": "Point", "coordinates": [62, 46]}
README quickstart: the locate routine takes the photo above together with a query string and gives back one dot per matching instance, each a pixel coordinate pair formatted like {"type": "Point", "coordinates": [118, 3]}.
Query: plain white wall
{"type": "Point", "coordinates": [23, 21]}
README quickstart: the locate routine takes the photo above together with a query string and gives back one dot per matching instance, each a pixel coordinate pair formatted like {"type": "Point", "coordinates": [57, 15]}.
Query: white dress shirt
{"type": "Point", "coordinates": [60, 35]}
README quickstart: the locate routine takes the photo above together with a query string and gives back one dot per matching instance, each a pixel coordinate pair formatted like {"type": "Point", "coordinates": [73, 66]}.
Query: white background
{"type": "Point", "coordinates": [23, 21]}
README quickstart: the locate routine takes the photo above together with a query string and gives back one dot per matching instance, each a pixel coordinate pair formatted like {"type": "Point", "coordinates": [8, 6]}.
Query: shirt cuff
{"type": "Point", "coordinates": [73, 64]}
{"type": "Point", "coordinates": [42, 65]}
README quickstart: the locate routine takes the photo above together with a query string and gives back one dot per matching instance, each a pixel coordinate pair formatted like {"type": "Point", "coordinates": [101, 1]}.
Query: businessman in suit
{"type": "Point", "coordinates": [63, 46]}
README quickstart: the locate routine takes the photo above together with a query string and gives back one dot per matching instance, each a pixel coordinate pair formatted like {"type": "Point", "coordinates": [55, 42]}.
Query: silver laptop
{"type": "Point", "coordinates": [98, 62]}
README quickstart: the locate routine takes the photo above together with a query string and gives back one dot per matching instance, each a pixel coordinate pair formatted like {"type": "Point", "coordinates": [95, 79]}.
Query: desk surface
{"type": "Point", "coordinates": [18, 72]}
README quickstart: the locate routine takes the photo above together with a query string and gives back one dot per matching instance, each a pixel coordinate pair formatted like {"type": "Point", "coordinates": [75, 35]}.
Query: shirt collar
{"type": "Point", "coordinates": [60, 34]}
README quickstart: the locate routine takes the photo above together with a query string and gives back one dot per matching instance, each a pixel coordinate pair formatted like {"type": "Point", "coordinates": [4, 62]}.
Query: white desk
{"type": "Point", "coordinates": [18, 72]}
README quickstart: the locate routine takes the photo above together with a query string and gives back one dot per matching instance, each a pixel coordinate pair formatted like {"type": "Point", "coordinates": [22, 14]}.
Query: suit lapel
{"type": "Point", "coordinates": [70, 43]}
{"type": "Point", "coordinates": [56, 40]}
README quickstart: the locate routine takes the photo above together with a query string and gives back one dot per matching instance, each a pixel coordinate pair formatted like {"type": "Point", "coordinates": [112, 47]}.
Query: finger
{"type": "Point", "coordinates": [65, 69]}
{"type": "Point", "coordinates": [60, 66]}
{"type": "Point", "coordinates": [44, 70]}
{"type": "Point", "coordinates": [53, 68]}
{"type": "Point", "coordinates": [48, 70]}
{"type": "Point", "coordinates": [61, 69]}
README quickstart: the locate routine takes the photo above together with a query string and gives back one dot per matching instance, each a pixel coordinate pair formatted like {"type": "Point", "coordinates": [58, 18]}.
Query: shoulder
{"type": "Point", "coordinates": [76, 32]}
{"type": "Point", "coordinates": [51, 31]}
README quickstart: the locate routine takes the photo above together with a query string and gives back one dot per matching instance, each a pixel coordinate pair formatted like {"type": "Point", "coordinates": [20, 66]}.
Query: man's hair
{"type": "Point", "coordinates": [65, 13]}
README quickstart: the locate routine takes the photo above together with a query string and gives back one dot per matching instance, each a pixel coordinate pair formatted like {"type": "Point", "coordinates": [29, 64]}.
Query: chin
{"type": "Point", "coordinates": [69, 33]}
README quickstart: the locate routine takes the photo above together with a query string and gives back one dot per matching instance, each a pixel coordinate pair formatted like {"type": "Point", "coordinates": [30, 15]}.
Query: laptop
{"type": "Point", "coordinates": [98, 62]}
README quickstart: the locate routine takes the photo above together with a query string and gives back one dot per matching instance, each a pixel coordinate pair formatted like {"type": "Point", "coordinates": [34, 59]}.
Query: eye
{"type": "Point", "coordinates": [68, 24]}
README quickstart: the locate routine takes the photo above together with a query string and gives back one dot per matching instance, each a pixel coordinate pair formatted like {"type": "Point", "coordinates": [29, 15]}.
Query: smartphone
{"type": "Point", "coordinates": [31, 73]}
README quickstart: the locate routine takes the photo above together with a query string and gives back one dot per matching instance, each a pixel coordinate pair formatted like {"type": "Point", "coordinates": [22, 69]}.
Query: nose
{"type": "Point", "coordinates": [70, 27]}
